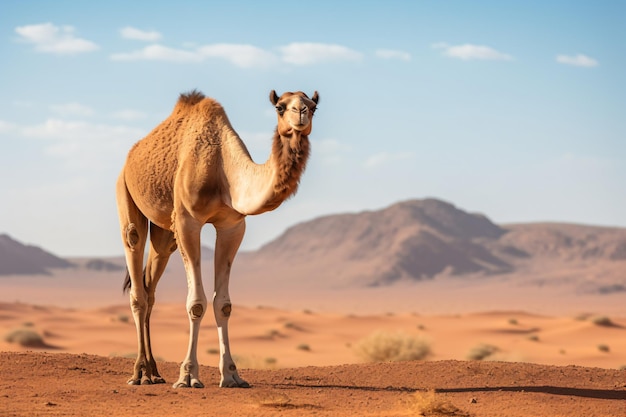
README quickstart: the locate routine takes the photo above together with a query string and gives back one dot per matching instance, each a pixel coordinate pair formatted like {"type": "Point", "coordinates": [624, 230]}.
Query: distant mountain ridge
{"type": "Point", "coordinates": [408, 241]}
{"type": "Point", "coordinates": [19, 259]}
{"type": "Point", "coordinates": [420, 239]}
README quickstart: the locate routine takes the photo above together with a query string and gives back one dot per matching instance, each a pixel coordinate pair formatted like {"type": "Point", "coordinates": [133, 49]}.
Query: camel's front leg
{"type": "Point", "coordinates": [188, 239]}
{"type": "Point", "coordinates": [226, 246]}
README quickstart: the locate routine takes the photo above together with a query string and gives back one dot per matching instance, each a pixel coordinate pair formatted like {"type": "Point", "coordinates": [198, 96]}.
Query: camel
{"type": "Point", "coordinates": [193, 169]}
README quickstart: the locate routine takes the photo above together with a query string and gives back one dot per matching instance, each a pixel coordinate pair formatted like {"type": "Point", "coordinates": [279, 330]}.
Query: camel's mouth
{"type": "Point", "coordinates": [299, 126]}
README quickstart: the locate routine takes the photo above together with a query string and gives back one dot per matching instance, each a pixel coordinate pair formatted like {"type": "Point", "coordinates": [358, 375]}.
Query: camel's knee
{"type": "Point", "coordinates": [196, 311]}
{"type": "Point", "coordinates": [223, 310]}
{"type": "Point", "coordinates": [131, 236]}
{"type": "Point", "coordinates": [138, 303]}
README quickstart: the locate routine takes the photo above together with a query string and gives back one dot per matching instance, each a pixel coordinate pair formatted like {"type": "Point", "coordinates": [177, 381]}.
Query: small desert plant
{"type": "Point", "coordinates": [513, 322]}
{"type": "Point", "coordinates": [272, 334]}
{"type": "Point", "coordinates": [26, 338]}
{"type": "Point", "coordinates": [533, 338]}
{"type": "Point", "coordinates": [383, 347]}
{"type": "Point", "coordinates": [603, 348]}
{"type": "Point", "coordinates": [481, 351]}
{"type": "Point", "coordinates": [277, 400]}
{"type": "Point", "coordinates": [254, 362]}
{"type": "Point", "coordinates": [602, 321]}
{"type": "Point", "coordinates": [128, 355]}
{"type": "Point", "coordinates": [123, 318]}
{"type": "Point", "coordinates": [293, 326]}
{"type": "Point", "coordinates": [213, 351]}
{"type": "Point", "coordinates": [428, 403]}
{"type": "Point", "coordinates": [304, 346]}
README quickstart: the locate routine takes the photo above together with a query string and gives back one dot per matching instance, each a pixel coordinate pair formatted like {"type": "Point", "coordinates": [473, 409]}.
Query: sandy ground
{"type": "Point", "coordinates": [59, 384]}
{"type": "Point", "coordinates": [307, 363]}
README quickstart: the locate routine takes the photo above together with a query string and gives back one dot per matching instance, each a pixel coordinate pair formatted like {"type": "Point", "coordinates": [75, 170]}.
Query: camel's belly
{"type": "Point", "coordinates": [149, 178]}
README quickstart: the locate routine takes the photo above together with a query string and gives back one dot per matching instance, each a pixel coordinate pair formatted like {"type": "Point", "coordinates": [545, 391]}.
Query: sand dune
{"type": "Point", "coordinates": [265, 337]}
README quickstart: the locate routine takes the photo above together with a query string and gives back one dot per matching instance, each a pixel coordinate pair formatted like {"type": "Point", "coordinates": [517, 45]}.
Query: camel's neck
{"type": "Point", "coordinates": [257, 188]}
{"type": "Point", "coordinates": [289, 156]}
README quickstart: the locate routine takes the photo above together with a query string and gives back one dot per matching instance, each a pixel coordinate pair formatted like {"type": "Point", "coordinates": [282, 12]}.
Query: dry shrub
{"type": "Point", "coordinates": [274, 399]}
{"type": "Point", "coordinates": [255, 362]}
{"type": "Point", "coordinates": [385, 347]}
{"type": "Point", "coordinates": [26, 338]}
{"type": "Point", "coordinates": [482, 351]}
{"type": "Point", "coordinates": [602, 321]}
{"type": "Point", "coordinates": [127, 355]}
{"type": "Point", "coordinates": [429, 404]}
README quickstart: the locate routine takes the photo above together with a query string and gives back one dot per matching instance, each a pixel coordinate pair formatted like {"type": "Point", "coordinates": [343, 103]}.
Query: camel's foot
{"type": "Point", "coordinates": [187, 381]}
{"type": "Point", "coordinates": [145, 380]}
{"type": "Point", "coordinates": [233, 381]}
{"type": "Point", "coordinates": [145, 373]}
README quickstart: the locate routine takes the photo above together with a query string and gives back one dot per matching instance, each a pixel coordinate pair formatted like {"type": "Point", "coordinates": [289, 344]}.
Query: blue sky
{"type": "Point", "coordinates": [513, 109]}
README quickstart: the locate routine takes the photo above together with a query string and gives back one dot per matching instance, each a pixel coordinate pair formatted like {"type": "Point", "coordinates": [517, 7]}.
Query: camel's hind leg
{"type": "Point", "coordinates": [134, 228]}
{"type": "Point", "coordinates": [162, 245]}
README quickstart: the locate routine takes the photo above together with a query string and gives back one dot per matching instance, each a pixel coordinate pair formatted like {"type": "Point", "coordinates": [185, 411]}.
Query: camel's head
{"type": "Point", "coordinates": [295, 111]}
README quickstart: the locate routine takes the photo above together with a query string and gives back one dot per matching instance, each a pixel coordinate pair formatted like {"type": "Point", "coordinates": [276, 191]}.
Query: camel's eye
{"type": "Point", "coordinates": [280, 109]}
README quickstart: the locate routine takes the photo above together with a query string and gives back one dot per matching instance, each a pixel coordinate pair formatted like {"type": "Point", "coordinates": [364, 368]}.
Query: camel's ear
{"type": "Point", "coordinates": [316, 97]}
{"type": "Point", "coordinates": [274, 97]}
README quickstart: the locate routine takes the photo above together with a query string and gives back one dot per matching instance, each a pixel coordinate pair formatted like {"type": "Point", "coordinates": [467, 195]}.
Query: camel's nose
{"type": "Point", "coordinates": [302, 108]}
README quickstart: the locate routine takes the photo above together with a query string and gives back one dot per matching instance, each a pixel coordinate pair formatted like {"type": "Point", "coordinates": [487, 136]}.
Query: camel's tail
{"type": "Point", "coordinates": [127, 283]}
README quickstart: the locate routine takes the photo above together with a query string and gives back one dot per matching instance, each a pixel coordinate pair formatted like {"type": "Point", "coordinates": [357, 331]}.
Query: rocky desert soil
{"type": "Point", "coordinates": [61, 384]}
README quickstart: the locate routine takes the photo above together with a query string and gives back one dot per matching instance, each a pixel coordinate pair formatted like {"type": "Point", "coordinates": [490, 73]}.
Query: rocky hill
{"type": "Point", "coordinates": [406, 242]}
{"type": "Point", "coordinates": [19, 259]}
{"type": "Point", "coordinates": [420, 239]}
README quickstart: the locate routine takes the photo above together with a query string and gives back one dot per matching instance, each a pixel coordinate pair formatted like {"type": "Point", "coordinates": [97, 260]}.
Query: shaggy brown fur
{"type": "Point", "coordinates": [193, 169]}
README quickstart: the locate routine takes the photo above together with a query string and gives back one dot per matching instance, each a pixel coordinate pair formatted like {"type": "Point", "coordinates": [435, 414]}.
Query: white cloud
{"type": "Point", "coordinates": [54, 39]}
{"type": "Point", "coordinates": [243, 56]}
{"type": "Point", "coordinates": [579, 60]}
{"type": "Point", "coordinates": [71, 130]}
{"type": "Point", "coordinates": [384, 158]}
{"type": "Point", "coordinates": [249, 56]}
{"type": "Point", "coordinates": [82, 145]}
{"type": "Point", "coordinates": [139, 35]}
{"type": "Point", "coordinates": [468, 52]}
{"type": "Point", "coordinates": [313, 53]}
{"type": "Point", "coordinates": [393, 54]}
{"type": "Point", "coordinates": [158, 52]}
{"type": "Point", "coordinates": [72, 109]}
{"type": "Point", "coordinates": [240, 55]}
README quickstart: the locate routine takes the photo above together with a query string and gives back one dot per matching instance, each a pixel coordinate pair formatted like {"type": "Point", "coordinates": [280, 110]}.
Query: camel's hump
{"type": "Point", "coordinates": [190, 98]}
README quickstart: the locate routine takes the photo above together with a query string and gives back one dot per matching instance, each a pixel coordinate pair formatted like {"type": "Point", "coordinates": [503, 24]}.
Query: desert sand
{"type": "Point", "coordinates": [86, 385]}
{"type": "Point", "coordinates": [304, 362]}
